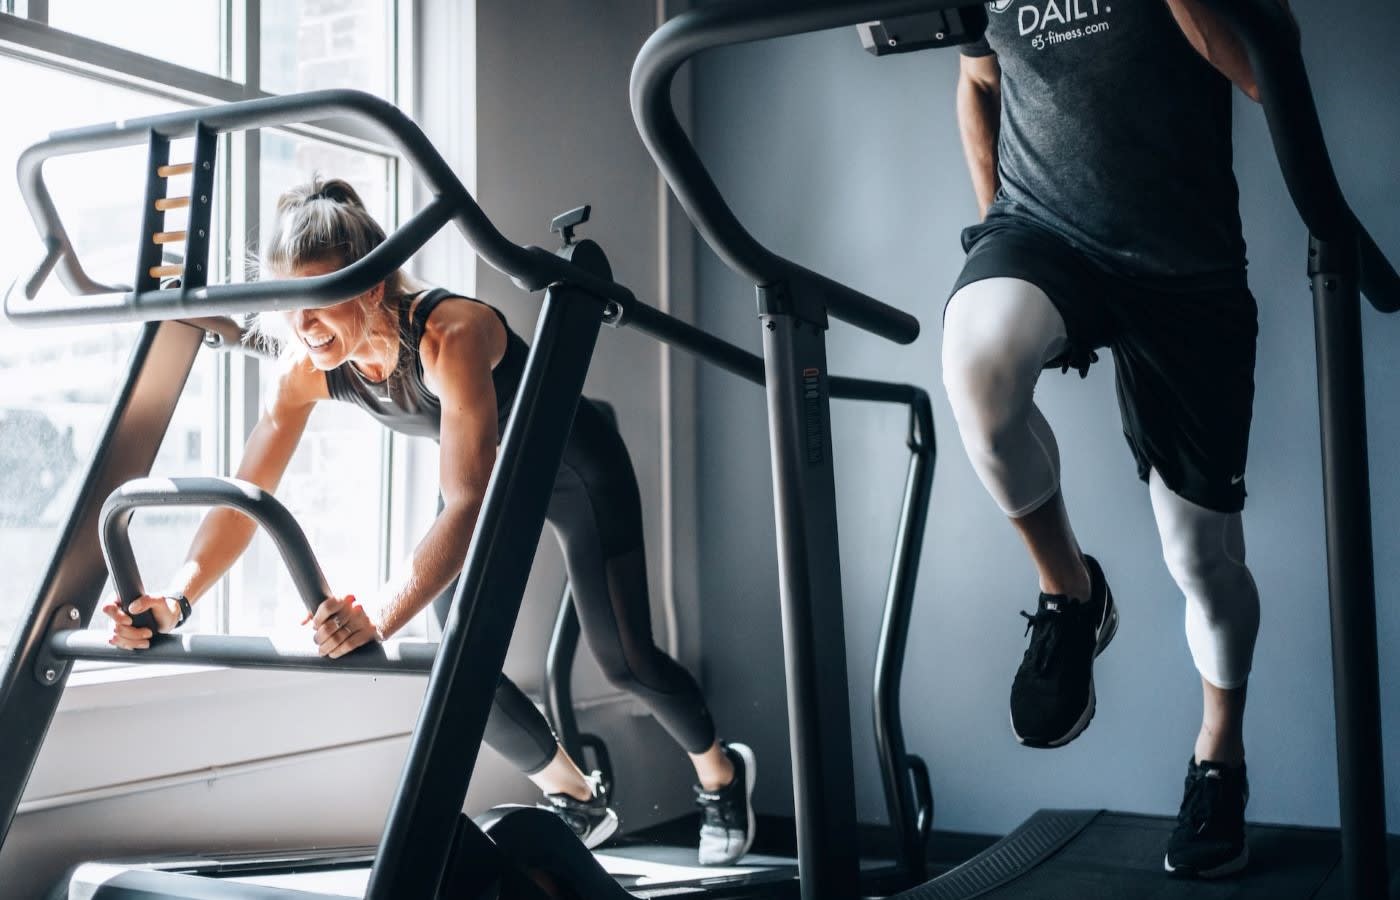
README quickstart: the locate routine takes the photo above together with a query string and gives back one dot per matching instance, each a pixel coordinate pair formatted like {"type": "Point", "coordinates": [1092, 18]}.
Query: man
{"type": "Point", "coordinates": [1098, 134]}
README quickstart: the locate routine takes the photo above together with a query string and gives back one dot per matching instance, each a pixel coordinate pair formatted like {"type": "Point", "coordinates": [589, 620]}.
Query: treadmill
{"type": "Point", "coordinates": [1094, 853]}
{"type": "Point", "coordinates": [428, 849]}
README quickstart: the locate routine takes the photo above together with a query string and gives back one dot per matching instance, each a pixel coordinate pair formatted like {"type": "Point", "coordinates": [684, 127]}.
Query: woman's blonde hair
{"type": "Point", "coordinates": [323, 220]}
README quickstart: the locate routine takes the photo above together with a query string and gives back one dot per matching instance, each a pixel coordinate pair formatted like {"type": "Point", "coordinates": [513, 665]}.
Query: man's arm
{"type": "Point", "coordinates": [1217, 43]}
{"type": "Point", "coordinates": [979, 122]}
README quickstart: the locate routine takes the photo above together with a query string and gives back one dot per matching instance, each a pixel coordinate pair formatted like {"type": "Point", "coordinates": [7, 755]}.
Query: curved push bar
{"type": "Point", "coordinates": [531, 267]}
{"type": "Point", "coordinates": [1275, 52]}
{"type": "Point", "coordinates": [714, 26]}
{"type": "Point", "coordinates": [243, 496]}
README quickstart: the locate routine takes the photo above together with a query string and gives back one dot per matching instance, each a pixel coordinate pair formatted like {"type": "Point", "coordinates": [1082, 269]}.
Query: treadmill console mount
{"type": "Point", "coordinates": [924, 31]}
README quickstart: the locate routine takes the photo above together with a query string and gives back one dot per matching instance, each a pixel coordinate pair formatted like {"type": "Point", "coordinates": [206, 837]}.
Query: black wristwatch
{"type": "Point", "coordinates": [185, 609]}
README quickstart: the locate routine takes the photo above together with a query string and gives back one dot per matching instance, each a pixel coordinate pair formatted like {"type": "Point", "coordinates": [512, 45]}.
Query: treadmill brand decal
{"type": "Point", "coordinates": [812, 403]}
{"type": "Point", "coordinates": [1039, 20]}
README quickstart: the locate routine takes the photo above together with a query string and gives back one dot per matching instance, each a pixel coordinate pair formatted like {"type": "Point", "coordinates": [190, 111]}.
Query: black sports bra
{"type": "Point", "coordinates": [402, 401]}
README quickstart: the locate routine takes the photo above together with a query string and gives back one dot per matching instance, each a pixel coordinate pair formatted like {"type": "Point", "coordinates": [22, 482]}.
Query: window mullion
{"type": "Point", "coordinates": [252, 45]}
{"type": "Point", "coordinates": [36, 10]}
{"type": "Point", "coordinates": [386, 504]}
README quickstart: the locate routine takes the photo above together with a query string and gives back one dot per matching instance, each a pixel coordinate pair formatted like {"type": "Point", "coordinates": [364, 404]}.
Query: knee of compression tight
{"type": "Point", "coordinates": [1204, 551]}
{"type": "Point", "coordinates": [998, 333]}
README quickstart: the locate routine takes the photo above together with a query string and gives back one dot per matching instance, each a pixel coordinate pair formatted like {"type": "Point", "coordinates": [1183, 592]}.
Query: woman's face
{"type": "Point", "coordinates": [333, 335]}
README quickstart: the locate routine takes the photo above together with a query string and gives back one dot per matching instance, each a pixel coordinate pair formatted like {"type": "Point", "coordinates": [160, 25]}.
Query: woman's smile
{"type": "Point", "coordinates": [318, 343]}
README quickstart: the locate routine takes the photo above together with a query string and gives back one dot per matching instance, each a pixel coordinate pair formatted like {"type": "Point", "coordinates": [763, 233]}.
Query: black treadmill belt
{"type": "Point", "coordinates": [1113, 856]}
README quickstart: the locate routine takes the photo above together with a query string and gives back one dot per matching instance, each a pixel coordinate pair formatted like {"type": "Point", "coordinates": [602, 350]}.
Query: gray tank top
{"type": "Point", "coordinates": [402, 401]}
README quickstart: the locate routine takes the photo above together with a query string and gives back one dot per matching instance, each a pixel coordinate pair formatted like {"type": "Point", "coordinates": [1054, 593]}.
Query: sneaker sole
{"type": "Point", "coordinates": [1228, 868]}
{"type": "Point", "coordinates": [606, 829]}
{"type": "Point", "coordinates": [1106, 633]}
{"type": "Point", "coordinates": [750, 776]}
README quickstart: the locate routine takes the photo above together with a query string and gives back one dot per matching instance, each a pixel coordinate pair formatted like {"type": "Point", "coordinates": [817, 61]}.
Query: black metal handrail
{"type": "Point", "coordinates": [248, 652]}
{"type": "Point", "coordinates": [244, 496]}
{"type": "Point", "coordinates": [1273, 41]}
{"type": "Point", "coordinates": [723, 24]}
{"type": "Point", "coordinates": [532, 268]}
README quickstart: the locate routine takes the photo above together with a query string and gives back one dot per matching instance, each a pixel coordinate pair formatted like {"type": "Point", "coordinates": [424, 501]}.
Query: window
{"type": "Point", "coordinates": [189, 33]}
{"type": "Point", "coordinates": [308, 45]}
{"type": "Point", "coordinates": [56, 383]}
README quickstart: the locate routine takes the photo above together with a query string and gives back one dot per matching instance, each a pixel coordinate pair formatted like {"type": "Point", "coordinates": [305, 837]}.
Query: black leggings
{"type": "Point", "coordinates": [596, 511]}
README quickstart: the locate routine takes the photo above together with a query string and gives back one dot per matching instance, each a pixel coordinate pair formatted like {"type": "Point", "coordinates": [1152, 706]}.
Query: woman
{"type": "Point", "coordinates": [430, 363]}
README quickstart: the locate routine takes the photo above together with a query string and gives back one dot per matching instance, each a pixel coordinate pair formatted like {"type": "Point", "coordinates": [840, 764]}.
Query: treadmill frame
{"type": "Point", "coordinates": [423, 833]}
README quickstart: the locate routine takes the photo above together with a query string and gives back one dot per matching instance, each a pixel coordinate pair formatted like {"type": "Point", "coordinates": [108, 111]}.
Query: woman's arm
{"type": "Point", "coordinates": [1217, 43]}
{"type": "Point", "coordinates": [460, 346]}
{"type": "Point", "coordinates": [225, 533]}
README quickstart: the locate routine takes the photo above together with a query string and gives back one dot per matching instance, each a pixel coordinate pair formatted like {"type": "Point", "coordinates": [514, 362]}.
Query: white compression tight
{"type": "Point", "coordinates": [997, 336]}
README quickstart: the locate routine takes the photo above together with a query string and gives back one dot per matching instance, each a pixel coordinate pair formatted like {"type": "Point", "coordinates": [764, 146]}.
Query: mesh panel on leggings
{"type": "Point", "coordinates": [1020, 851]}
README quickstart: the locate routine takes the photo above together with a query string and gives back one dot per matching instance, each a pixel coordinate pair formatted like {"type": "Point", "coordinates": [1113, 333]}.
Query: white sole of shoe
{"type": "Point", "coordinates": [606, 829]}
{"type": "Point", "coordinates": [750, 777]}
{"type": "Point", "coordinates": [1220, 871]}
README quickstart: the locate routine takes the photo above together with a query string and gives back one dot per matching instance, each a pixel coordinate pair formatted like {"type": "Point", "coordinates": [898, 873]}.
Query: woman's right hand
{"type": "Point", "coordinates": [128, 636]}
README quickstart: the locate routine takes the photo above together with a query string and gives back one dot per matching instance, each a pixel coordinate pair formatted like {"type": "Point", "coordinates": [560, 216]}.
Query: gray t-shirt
{"type": "Point", "coordinates": [1116, 135]}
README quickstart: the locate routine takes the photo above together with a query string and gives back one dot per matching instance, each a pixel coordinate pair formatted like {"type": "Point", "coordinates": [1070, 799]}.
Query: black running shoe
{"type": "Point", "coordinates": [1052, 697]}
{"type": "Point", "coordinates": [727, 823]}
{"type": "Point", "coordinates": [592, 820]}
{"type": "Point", "coordinates": [1208, 841]}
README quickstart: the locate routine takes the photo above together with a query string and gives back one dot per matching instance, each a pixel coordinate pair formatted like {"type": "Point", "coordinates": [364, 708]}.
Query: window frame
{"type": "Point", "coordinates": [26, 36]}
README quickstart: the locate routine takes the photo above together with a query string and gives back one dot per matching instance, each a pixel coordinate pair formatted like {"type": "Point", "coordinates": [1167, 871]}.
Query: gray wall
{"type": "Point", "coordinates": [852, 165]}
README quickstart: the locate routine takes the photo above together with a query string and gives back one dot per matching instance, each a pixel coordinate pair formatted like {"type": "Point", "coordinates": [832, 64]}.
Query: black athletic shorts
{"type": "Point", "coordinates": [1184, 355]}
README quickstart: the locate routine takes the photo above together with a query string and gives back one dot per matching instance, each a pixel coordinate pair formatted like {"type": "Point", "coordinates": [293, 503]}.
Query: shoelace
{"type": "Point", "coordinates": [1201, 799]}
{"type": "Point", "coordinates": [1044, 640]}
{"type": "Point", "coordinates": [1204, 802]}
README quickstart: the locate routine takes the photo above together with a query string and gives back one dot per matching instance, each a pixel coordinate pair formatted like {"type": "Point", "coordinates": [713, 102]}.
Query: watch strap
{"type": "Point", "coordinates": [185, 609]}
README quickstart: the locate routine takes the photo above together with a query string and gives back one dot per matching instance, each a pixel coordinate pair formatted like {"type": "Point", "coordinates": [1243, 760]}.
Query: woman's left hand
{"type": "Point", "coordinates": [341, 624]}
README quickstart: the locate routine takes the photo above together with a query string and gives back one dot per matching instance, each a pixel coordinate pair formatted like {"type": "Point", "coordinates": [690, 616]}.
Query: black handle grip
{"type": "Point", "coordinates": [244, 496]}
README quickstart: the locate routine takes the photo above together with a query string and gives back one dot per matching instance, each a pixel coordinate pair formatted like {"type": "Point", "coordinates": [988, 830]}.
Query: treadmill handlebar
{"type": "Point", "coordinates": [111, 303]}
{"type": "Point", "coordinates": [243, 496]}
{"type": "Point", "coordinates": [248, 652]}
{"type": "Point", "coordinates": [719, 25]}
{"type": "Point", "coordinates": [1271, 36]}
